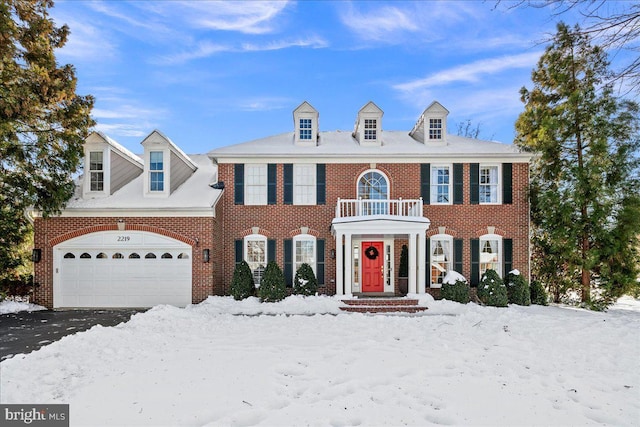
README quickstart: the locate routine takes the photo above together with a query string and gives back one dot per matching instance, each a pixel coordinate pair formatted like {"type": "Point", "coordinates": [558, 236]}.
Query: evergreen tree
{"type": "Point", "coordinates": [272, 287]}
{"type": "Point", "coordinates": [584, 197]}
{"type": "Point", "coordinates": [43, 122]}
{"type": "Point", "coordinates": [242, 286]}
{"type": "Point", "coordinates": [305, 282]}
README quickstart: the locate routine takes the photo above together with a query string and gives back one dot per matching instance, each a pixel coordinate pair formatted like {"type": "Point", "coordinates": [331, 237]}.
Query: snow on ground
{"type": "Point", "coordinates": [212, 364]}
{"type": "Point", "coordinates": [8, 306]}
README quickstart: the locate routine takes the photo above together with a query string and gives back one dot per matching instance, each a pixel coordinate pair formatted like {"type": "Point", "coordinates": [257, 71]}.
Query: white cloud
{"type": "Point", "coordinates": [85, 42]}
{"type": "Point", "coordinates": [264, 103]}
{"type": "Point", "coordinates": [471, 72]}
{"type": "Point", "coordinates": [122, 129]}
{"type": "Point", "coordinates": [378, 24]}
{"type": "Point", "coordinates": [313, 42]}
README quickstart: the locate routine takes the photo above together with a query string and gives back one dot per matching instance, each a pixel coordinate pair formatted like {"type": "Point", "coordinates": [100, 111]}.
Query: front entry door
{"type": "Point", "coordinates": [372, 267]}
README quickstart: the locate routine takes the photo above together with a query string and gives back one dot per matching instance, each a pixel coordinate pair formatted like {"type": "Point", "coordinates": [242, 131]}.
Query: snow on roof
{"type": "Point", "coordinates": [194, 193]}
{"type": "Point", "coordinates": [174, 147]}
{"type": "Point", "coordinates": [395, 144]}
{"type": "Point", "coordinates": [121, 149]}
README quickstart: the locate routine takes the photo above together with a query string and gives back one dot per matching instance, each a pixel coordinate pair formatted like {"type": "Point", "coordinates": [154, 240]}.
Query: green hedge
{"type": "Point", "coordinates": [242, 285]}
{"type": "Point", "coordinates": [492, 290]}
{"type": "Point", "coordinates": [457, 290]}
{"type": "Point", "coordinates": [272, 287]}
{"type": "Point", "coordinates": [538, 294]}
{"type": "Point", "coordinates": [305, 282]}
{"type": "Point", "coordinates": [517, 289]}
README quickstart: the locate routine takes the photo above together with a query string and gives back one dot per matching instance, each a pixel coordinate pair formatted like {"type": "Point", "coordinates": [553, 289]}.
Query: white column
{"type": "Point", "coordinates": [348, 265]}
{"type": "Point", "coordinates": [422, 251]}
{"type": "Point", "coordinates": [412, 264]}
{"type": "Point", "coordinates": [339, 281]}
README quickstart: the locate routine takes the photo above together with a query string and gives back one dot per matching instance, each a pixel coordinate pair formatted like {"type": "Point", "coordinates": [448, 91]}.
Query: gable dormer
{"type": "Point", "coordinates": [305, 125]}
{"type": "Point", "coordinates": [431, 127]}
{"type": "Point", "coordinates": [368, 127]}
{"type": "Point", "coordinates": [166, 166]}
{"type": "Point", "coordinates": [108, 166]}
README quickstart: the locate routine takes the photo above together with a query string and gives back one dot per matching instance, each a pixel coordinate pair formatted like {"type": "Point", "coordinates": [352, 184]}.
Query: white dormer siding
{"type": "Point", "coordinates": [305, 125]}
{"type": "Point", "coordinates": [431, 127]}
{"type": "Point", "coordinates": [368, 127]}
{"type": "Point", "coordinates": [108, 166]}
{"type": "Point", "coordinates": [166, 167]}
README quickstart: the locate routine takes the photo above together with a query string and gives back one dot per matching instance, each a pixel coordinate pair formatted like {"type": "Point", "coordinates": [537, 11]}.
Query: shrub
{"type": "Point", "coordinates": [455, 288]}
{"type": "Point", "coordinates": [517, 289]}
{"type": "Point", "coordinates": [305, 282]}
{"type": "Point", "coordinates": [17, 285]}
{"type": "Point", "coordinates": [242, 285]}
{"type": "Point", "coordinates": [403, 268]}
{"type": "Point", "coordinates": [272, 287]}
{"type": "Point", "coordinates": [538, 293]}
{"type": "Point", "coordinates": [492, 290]}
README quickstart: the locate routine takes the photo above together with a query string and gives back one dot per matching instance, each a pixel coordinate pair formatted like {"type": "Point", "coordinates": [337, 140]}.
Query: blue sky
{"type": "Point", "coordinates": [210, 74]}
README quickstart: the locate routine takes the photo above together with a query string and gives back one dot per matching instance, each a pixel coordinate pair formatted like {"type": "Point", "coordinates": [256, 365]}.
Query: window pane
{"type": "Point", "coordinates": [255, 188]}
{"type": "Point", "coordinates": [304, 184]}
{"type": "Point", "coordinates": [95, 160]}
{"type": "Point", "coordinates": [370, 127]}
{"type": "Point", "coordinates": [440, 259]}
{"type": "Point", "coordinates": [489, 256]}
{"type": "Point", "coordinates": [440, 184]}
{"type": "Point", "coordinates": [155, 161]}
{"type": "Point", "coordinates": [488, 188]}
{"type": "Point", "coordinates": [435, 128]}
{"type": "Point", "coordinates": [156, 181]}
{"type": "Point", "coordinates": [305, 128]}
{"type": "Point", "coordinates": [256, 257]}
{"type": "Point", "coordinates": [97, 181]}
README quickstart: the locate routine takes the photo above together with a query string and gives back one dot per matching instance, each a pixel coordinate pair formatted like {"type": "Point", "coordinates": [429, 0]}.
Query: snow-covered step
{"type": "Point", "coordinates": [382, 305]}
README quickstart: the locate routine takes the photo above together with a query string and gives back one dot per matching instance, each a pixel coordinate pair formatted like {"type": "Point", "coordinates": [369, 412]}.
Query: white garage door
{"type": "Point", "coordinates": [122, 269]}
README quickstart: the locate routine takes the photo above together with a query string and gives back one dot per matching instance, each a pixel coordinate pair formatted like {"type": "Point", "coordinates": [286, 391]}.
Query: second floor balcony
{"type": "Point", "coordinates": [348, 208]}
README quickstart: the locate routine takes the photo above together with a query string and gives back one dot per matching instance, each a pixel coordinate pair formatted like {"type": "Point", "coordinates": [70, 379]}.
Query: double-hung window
{"type": "Point", "coordinates": [370, 129]}
{"type": "Point", "coordinates": [255, 254]}
{"type": "Point", "coordinates": [441, 257]}
{"type": "Point", "coordinates": [435, 128]}
{"type": "Point", "coordinates": [490, 254]}
{"type": "Point", "coordinates": [488, 184]}
{"type": "Point", "coordinates": [156, 171]}
{"type": "Point", "coordinates": [305, 129]}
{"type": "Point", "coordinates": [304, 184]}
{"type": "Point", "coordinates": [304, 247]}
{"type": "Point", "coordinates": [255, 184]}
{"type": "Point", "coordinates": [96, 170]}
{"type": "Point", "coordinates": [440, 185]}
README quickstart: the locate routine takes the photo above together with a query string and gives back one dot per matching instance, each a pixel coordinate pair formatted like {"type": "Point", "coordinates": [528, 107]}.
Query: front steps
{"type": "Point", "coordinates": [382, 305]}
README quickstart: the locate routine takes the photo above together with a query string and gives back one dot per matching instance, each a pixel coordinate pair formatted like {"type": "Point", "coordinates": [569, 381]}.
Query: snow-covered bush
{"type": "Point", "coordinates": [492, 290]}
{"type": "Point", "coordinates": [455, 288]}
{"type": "Point", "coordinates": [305, 282]}
{"type": "Point", "coordinates": [538, 293]}
{"type": "Point", "coordinates": [517, 289]}
{"type": "Point", "coordinates": [242, 285]}
{"type": "Point", "coordinates": [272, 287]}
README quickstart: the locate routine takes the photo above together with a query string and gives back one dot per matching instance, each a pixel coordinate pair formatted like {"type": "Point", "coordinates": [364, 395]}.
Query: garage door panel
{"type": "Point", "coordinates": [138, 281]}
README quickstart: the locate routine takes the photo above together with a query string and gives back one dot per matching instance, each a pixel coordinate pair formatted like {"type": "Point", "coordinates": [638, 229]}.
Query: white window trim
{"type": "Point", "coordinates": [433, 195]}
{"type": "Point", "coordinates": [106, 170]}
{"type": "Point", "coordinates": [245, 248]}
{"type": "Point", "coordinates": [312, 196]}
{"type": "Point", "coordinates": [304, 238]}
{"type": "Point", "coordinates": [432, 240]}
{"type": "Point", "coordinates": [483, 240]}
{"type": "Point", "coordinates": [498, 187]}
{"type": "Point", "coordinates": [166, 168]}
{"type": "Point", "coordinates": [313, 116]}
{"type": "Point", "coordinates": [263, 200]}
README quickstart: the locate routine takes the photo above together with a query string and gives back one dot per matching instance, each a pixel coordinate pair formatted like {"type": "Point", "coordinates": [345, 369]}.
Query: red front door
{"type": "Point", "coordinates": [372, 267]}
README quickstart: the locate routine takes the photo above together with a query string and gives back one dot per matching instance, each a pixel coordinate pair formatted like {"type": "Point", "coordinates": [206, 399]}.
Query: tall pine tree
{"type": "Point", "coordinates": [43, 122]}
{"type": "Point", "coordinates": [584, 190]}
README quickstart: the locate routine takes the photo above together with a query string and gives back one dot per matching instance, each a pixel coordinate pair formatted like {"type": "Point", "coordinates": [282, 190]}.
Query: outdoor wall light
{"type": "Point", "coordinates": [205, 255]}
{"type": "Point", "coordinates": [121, 224]}
{"type": "Point", "coordinates": [332, 253]}
{"type": "Point", "coordinates": [36, 255]}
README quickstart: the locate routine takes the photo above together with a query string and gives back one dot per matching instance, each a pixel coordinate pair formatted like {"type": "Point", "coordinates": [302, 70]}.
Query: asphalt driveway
{"type": "Point", "coordinates": [25, 332]}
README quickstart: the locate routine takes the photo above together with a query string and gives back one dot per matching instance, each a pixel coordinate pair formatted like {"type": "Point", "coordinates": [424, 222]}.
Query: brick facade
{"type": "Point", "coordinates": [199, 232]}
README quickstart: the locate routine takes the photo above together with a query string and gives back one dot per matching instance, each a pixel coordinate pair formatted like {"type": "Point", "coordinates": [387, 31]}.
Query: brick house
{"type": "Point", "coordinates": [345, 202]}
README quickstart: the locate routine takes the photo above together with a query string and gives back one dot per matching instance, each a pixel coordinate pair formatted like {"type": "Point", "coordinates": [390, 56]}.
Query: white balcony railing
{"type": "Point", "coordinates": [361, 207]}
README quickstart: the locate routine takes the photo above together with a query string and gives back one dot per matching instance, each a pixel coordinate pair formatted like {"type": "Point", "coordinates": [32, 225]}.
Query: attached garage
{"type": "Point", "coordinates": [122, 269]}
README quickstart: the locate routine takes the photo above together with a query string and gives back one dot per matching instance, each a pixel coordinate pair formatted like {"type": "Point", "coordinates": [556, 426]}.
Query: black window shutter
{"type": "Point", "coordinates": [288, 183]}
{"type": "Point", "coordinates": [238, 184]}
{"type": "Point", "coordinates": [288, 262]}
{"type": "Point", "coordinates": [425, 183]}
{"type": "Point", "coordinates": [458, 184]}
{"type": "Point", "coordinates": [474, 176]}
{"type": "Point", "coordinates": [427, 263]}
{"type": "Point", "coordinates": [271, 250]}
{"type": "Point", "coordinates": [320, 261]}
{"type": "Point", "coordinates": [238, 251]}
{"type": "Point", "coordinates": [321, 184]}
{"type": "Point", "coordinates": [507, 183]}
{"type": "Point", "coordinates": [457, 255]}
{"type": "Point", "coordinates": [272, 184]}
{"type": "Point", "coordinates": [475, 262]}
{"type": "Point", "coordinates": [507, 247]}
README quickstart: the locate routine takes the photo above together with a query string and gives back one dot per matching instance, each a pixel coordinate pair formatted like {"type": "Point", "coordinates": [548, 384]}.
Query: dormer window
{"type": "Point", "coordinates": [370, 129]}
{"type": "Point", "coordinates": [435, 129]}
{"type": "Point", "coordinates": [305, 129]}
{"type": "Point", "coordinates": [156, 171]}
{"type": "Point", "coordinates": [96, 170]}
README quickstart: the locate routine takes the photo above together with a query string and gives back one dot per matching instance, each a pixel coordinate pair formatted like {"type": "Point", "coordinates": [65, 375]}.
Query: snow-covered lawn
{"type": "Point", "coordinates": [7, 306]}
{"type": "Point", "coordinates": [455, 365]}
